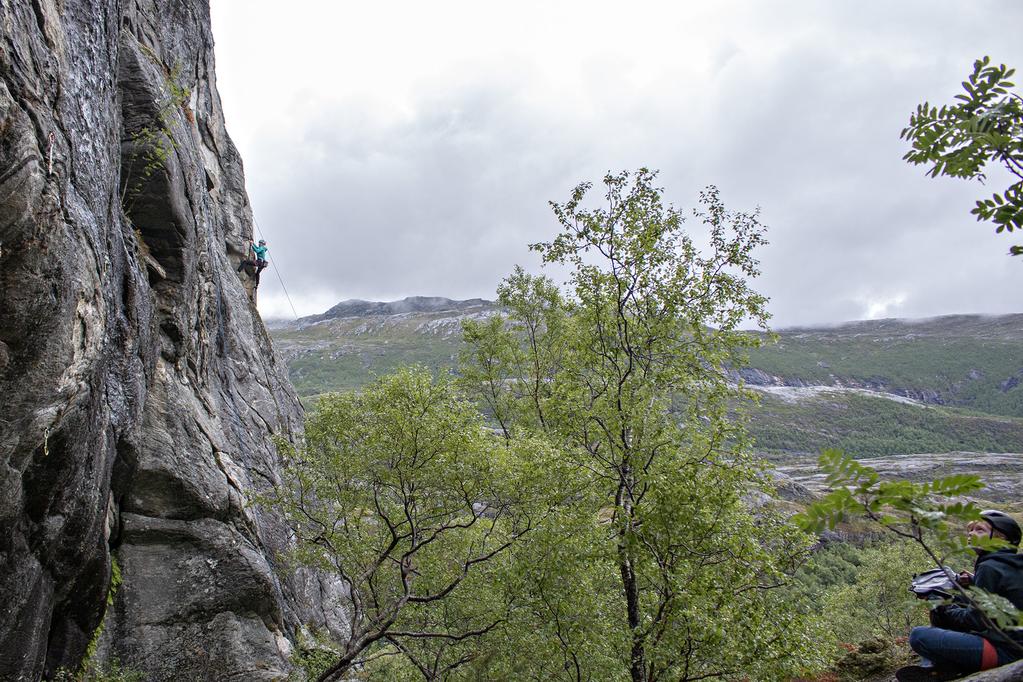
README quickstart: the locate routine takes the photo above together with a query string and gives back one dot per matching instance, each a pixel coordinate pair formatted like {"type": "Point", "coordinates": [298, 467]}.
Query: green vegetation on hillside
{"type": "Point", "coordinates": [872, 426]}
{"type": "Point", "coordinates": [962, 361]}
{"type": "Point", "coordinates": [961, 357]}
{"type": "Point", "coordinates": [970, 371]}
{"type": "Point", "coordinates": [862, 596]}
{"type": "Point", "coordinates": [347, 368]}
{"type": "Point", "coordinates": [349, 353]}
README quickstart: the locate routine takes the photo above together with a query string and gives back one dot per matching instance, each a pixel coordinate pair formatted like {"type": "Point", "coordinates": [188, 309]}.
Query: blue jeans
{"type": "Point", "coordinates": [959, 651]}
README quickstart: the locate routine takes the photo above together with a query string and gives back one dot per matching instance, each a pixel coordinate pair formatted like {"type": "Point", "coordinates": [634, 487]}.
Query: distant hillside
{"type": "Point", "coordinates": [871, 424]}
{"type": "Point", "coordinates": [878, 387]}
{"type": "Point", "coordinates": [413, 304]}
{"type": "Point", "coordinates": [959, 360]}
{"type": "Point", "coordinates": [354, 341]}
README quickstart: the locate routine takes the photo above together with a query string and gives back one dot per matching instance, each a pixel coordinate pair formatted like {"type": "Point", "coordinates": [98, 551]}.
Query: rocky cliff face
{"type": "Point", "coordinates": [138, 386]}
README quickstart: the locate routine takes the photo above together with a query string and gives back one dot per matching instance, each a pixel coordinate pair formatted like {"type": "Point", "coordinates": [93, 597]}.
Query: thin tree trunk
{"type": "Point", "coordinates": [637, 666]}
{"type": "Point", "coordinates": [637, 663]}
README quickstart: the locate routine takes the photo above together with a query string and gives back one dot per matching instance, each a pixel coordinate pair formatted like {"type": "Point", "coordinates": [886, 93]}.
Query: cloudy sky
{"type": "Point", "coordinates": [410, 148]}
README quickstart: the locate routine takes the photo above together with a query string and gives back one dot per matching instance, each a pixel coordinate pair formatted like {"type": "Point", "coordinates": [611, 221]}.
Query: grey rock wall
{"type": "Point", "coordinates": [138, 387]}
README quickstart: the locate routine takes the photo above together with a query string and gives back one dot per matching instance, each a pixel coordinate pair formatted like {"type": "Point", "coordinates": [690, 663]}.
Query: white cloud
{"type": "Point", "coordinates": [407, 148]}
{"type": "Point", "coordinates": [277, 305]}
{"type": "Point", "coordinates": [880, 305]}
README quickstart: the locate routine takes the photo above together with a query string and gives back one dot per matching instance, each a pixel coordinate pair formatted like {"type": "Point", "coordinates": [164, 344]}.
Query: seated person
{"type": "Point", "coordinates": [959, 641]}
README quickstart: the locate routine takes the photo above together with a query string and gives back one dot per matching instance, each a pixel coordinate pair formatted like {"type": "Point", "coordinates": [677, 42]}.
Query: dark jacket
{"type": "Point", "coordinates": [999, 572]}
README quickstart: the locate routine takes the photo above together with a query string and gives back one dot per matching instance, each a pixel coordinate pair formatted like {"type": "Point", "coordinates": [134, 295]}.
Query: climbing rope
{"type": "Point", "coordinates": [274, 264]}
{"type": "Point", "coordinates": [282, 421]}
{"type": "Point", "coordinates": [49, 155]}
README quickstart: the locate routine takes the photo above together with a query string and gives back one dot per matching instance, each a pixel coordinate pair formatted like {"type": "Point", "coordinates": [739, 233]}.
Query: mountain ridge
{"type": "Point", "coordinates": [1008, 324]}
{"type": "Point", "coordinates": [410, 304]}
{"type": "Point", "coordinates": [873, 386]}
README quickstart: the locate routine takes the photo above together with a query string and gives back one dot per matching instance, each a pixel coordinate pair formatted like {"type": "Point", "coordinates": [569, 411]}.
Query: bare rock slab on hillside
{"type": "Point", "coordinates": [1001, 472]}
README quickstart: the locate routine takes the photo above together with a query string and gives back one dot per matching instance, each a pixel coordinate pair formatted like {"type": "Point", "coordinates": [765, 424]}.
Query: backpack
{"type": "Point", "coordinates": [938, 583]}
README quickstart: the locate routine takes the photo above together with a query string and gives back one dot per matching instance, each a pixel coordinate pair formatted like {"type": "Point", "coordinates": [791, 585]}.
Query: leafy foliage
{"type": "Point", "coordinates": [402, 493]}
{"type": "Point", "coordinates": [875, 602]}
{"type": "Point", "coordinates": [626, 375]}
{"type": "Point", "coordinates": [314, 654]}
{"type": "Point", "coordinates": [857, 594]}
{"type": "Point", "coordinates": [960, 140]}
{"type": "Point", "coordinates": [966, 362]}
{"type": "Point", "coordinates": [912, 510]}
{"type": "Point", "coordinates": [100, 672]}
{"type": "Point", "coordinates": [608, 521]}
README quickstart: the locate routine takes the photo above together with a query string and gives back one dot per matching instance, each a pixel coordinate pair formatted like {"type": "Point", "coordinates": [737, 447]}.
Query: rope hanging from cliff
{"type": "Point", "coordinates": [273, 262]}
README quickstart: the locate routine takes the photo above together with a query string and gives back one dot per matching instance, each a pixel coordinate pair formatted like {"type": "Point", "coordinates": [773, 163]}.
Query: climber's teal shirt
{"type": "Point", "coordinates": [260, 251]}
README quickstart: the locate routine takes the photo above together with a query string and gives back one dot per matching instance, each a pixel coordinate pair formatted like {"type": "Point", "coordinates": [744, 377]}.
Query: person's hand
{"type": "Point", "coordinates": [965, 578]}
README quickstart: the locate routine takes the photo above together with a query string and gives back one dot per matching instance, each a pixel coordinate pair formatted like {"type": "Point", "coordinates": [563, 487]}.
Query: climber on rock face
{"type": "Point", "coordinates": [260, 260]}
{"type": "Point", "coordinates": [959, 640]}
